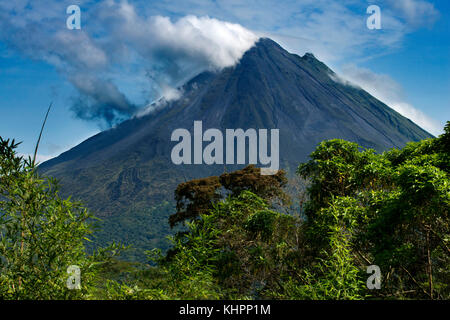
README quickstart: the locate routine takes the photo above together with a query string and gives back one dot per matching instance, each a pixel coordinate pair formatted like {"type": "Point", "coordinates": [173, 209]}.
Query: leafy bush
{"type": "Point", "coordinates": [41, 235]}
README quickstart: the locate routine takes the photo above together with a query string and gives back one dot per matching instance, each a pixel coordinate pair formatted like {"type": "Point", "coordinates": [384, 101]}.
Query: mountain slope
{"type": "Point", "coordinates": [126, 175]}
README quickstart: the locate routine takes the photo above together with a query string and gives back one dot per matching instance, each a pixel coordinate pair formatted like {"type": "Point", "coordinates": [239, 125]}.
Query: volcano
{"type": "Point", "coordinates": [126, 176]}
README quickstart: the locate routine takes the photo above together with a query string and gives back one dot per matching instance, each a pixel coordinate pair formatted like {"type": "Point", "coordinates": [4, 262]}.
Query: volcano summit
{"type": "Point", "coordinates": [126, 175]}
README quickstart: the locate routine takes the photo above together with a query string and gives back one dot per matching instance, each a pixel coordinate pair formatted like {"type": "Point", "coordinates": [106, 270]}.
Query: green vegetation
{"type": "Point", "coordinates": [240, 238]}
{"type": "Point", "coordinates": [41, 235]}
{"type": "Point", "coordinates": [126, 176]}
{"type": "Point", "coordinates": [393, 207]}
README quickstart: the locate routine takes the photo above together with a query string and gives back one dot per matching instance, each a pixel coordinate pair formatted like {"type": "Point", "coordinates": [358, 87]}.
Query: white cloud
{"type": "Point", "coordinates": [171, 94]}
{"type": "Point", "coordinates": [213, 42]}
{"type": "Point", "coordinates": [118, 35]}
{"type": "Point", "coordinates": [40, 158]}
{"type": "Point", "coordinates": [115, 41]}
{"type": "Point", "coordinates": [333, 30]}
{"type": "Point", "coordinates": [415, 12]}
{"type": "Point", "coordinates": [219, 42]}
{"type": "Point", "coordinates": [387, 90]}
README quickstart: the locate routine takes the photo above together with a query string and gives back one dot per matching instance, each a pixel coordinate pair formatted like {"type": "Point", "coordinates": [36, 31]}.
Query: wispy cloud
{"type": "Point", "coordinates": [415, 13]}
{"type": "Point", "coordinates": [387, 90]}
{"type": "Point", "coordinates": [40, 158]}
{"type": "Point", "coordinates": [115, 42]}
{"type": "Point", "coordinates": [125, 46]}
{"type": "Point", "coordinates": [333, 30]}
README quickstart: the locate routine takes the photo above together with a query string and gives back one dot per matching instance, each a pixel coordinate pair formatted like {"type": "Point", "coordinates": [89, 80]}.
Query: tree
{"type": "Point", "coordinates": [41, 235]}
{"type": "Point", "coordinates": [239, 249]}
{"type": "Point", "coordinates": [395, 210]}
{"type": "Point", "coordinates": [198, 196]}
{"type": "Point", "coordinates": [334, 275]}
{"type": "Point", "coordinates": [194, 198]}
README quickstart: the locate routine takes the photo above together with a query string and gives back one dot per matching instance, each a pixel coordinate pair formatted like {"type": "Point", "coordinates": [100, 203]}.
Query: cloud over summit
{"type": "Point", "coordinates": [129, 53]}
{"type": "Point", "coordinates": [210, 42]}
{"type": "Point", "coordinates": [118, 42]}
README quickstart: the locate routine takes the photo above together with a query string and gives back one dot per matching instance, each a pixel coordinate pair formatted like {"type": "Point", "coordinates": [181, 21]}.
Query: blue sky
{"type": "Point", "coordinates": [129, 53]}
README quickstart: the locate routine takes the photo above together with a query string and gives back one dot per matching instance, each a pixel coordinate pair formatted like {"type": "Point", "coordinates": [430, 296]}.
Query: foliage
{"type": "Point", "coordinates": [198, 196]}
{"type": "Point", "coordinates": [362, 208]}
{"type": "Point", "coordinates": [335, 276]}
{"type": "Point", "coordinates": [395, 208]}
{"type": "Point", "coordinates": [244, 250]}
{"type": "Point", "coordinates": [41, 235]}
{"type": "Point", "coordinates": [239, 249]}
{"type": "Point", "coordinates": [194, 198]}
